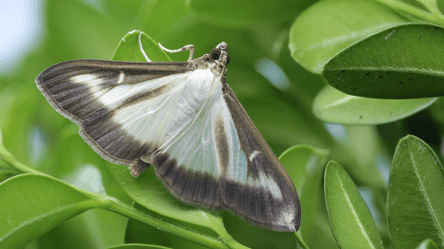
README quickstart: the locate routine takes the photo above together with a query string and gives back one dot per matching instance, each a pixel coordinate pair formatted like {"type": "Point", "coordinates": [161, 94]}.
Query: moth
{"type": "Point", "coordinates": [183, 119]}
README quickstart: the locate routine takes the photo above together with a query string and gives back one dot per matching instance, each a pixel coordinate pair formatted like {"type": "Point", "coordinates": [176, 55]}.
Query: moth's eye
{"type": "Point", "coordinates": [228, 59]}
{"type": "Point", "coordinates": [215, 53]}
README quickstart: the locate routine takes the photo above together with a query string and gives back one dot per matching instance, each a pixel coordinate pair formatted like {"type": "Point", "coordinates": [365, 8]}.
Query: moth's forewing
{"type": "Point", "coordinates": [95, 93]}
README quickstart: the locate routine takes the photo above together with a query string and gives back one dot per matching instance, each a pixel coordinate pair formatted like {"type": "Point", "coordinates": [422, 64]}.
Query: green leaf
{"type": "Point", "coordinates": [305, 165]}
{"type": "Point", "coordinates": [350, 218]}
{"type": "Point", "coordinates": [415, 200]}
{"type": "Point", "coordinates": [129, 48]}
{"type": "Point", "coordinates": [427, 244]}
{"type": "Point", "coordinates": [244, 14]}
{"type": "Point", "coordinates": [138, 246]}
{"type": "Point", "coordinates": [148, 191]}
{"type": "Point", "coordinates": [401, 62]}
{"type": "Point", "coordinates": [327, 27]}
{"type": "Point", "coordinates": [34, 204]}
{"type": "Point", "coordinates": [258, 238]}
{"type": "Point", "coordinates": [333, 106]}
{"type": "Point", "coordinates": [137, 232]}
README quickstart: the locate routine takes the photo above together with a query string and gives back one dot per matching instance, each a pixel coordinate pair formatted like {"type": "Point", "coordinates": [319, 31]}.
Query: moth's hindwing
{"type": "Point", "coordinates": [261, 190]}
{"type": "Point", "coordinates": [111, 101]}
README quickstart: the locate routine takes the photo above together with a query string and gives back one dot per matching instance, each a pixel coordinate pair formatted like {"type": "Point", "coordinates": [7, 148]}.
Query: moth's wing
{"type": "Point", "coordinates": [255, 184]}
{"type": "Point", "coordinates": [221, 161]}
{"type": "Point", "coordinates": [119, 106]}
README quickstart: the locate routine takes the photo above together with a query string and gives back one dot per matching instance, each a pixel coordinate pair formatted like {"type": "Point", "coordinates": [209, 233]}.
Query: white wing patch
{"type": "Point", "coordinates": [121, 77]}
{"type": "Point", "coordinates": [255, 153]}
{"type": "Point", "coordinates": [84, 78]}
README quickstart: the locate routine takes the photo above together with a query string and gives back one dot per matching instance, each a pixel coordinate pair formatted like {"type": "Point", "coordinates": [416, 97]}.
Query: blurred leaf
{"type": "Point", "coordinates": [398, 63]}
{"type": "Point", "coordinates": [427, 244]}
{"type": "Point", "coordinates": [350, 218]}
{"type": "Point", "coordinates": [243, 14]}
{"type": "Point", "coordinates": [129, 48]}
{"type": "Point", "coordinates": [327, 27]}
{"type": "Point", "coordinates": [305, 165]}
{"type": "Point", "coordinates": [137, 232]}
{"type": "Point", "coordinates": [33, 204]}
{"type": "Point", "coordinates": [94, 34]}
{"type": "Point", "coordinates": [138, 246]}
{"type": "Point", "coordinates": [126, 11]}
{"type": "Point", "coordinates": [333, 106]}
{"type": "Point", "coordinates": [415, 202]}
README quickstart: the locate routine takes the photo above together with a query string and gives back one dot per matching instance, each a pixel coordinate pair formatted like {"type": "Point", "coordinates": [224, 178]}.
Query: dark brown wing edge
{"type": "Point", "coordinates": [256, 205]}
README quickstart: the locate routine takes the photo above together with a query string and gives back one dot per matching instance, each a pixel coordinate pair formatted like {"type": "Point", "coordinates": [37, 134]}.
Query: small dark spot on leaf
{"type": "Point", "coordinates": [400, 82]}
{"type": "Point", "coordinates": [391, 113]}
{"type": "Point", "coordinates": [343, 70]}
{"type": "Point", "coordinates": [374, 85]}
{"type": "Point", "coordinates": [360, 117]}
{"type": "Point", "coordinates": [420, 37]}
{"type": "Point", "coordinates": [410, 79]}
{"type": "Point", "coordinates": [355, 88]}
{"type": "Point", "coordinates": [389, 71]}
{"type": "Point", "coordinates": [436, 28]}
{"type": "Point", "coordinates": [332, 82]}
{"type": "Point", "coordinates": [367, 74]}
{"type": "Point", "coordinates": [402, 86]}
{"type": "Point", "coordinates": [381, 77]}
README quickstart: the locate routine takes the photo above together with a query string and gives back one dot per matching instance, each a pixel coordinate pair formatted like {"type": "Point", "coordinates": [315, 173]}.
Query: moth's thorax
{"type": "Point", "coordinates": [200, 85]}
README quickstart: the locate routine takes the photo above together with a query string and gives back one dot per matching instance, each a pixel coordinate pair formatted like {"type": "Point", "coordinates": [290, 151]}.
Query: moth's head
{"type": "Point", "coordinates": [216, 61]}
{"type": "Point", "coordinates": [220, 53]}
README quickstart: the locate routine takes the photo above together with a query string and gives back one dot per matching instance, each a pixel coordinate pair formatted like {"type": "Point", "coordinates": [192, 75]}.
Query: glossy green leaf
{"type": "Point", "coordinates": [333, 106]}
{"type": "Point", "coordinates": [327, 27]}
{"type": "Point", "coordinates": [129, 48]}
{"type": "Point", "coordinates": [427, 244]}
{"type": "Point", "coordinates": [242, 14]}
{"type": "Point", "coordinates": [138, 246]}
{"type": "Point", "coordinates": [350, 219]}
{"type": "Point", "coordinates": [34, 204]}
{"type": "Point", "coordinates": [148, 191]}
{"type": "Point", "coordinates": [305, 165]}
{"type": "Point", "coordinates": [401, 62]}
{"type": "Point", "coordinates": [415, 200]}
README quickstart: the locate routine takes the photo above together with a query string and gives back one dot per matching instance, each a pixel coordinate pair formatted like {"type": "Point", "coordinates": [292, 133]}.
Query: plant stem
{"type": "Point", "coordinates": [6, 156]}
{"type": "Point", "coordinates": [205, 240]}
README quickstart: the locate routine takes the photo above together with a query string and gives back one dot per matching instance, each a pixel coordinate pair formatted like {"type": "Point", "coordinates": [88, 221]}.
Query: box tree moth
{"type": "Point", "coordinates": [183, 119]}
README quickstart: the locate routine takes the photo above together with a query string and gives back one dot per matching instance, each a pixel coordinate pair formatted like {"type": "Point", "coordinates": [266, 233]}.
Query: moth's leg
{"type": "Point", "coordinates": [138, 167]}
{"type": "Point", "coordinates": [184, 48]}
{"type": "Point", "coordinates": [141, 48]}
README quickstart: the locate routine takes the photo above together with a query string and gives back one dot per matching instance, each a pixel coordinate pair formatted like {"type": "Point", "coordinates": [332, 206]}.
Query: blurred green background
{"type": "Point", "coordinates": [276, 91]}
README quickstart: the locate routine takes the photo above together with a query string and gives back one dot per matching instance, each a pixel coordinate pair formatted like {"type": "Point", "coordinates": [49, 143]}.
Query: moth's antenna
{"type": "Point", "coordinates": [141, 48]}
{"type": "Point", "coordinates": [182, 49]}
